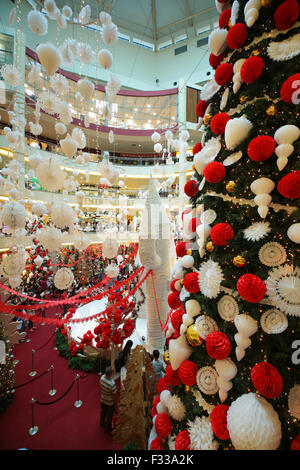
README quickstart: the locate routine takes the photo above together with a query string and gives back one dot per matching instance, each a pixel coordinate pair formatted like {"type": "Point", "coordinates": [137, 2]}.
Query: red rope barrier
{"type": "Point", "coordinates": [162, 326]}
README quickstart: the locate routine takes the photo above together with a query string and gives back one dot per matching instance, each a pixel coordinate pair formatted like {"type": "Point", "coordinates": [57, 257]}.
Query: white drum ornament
{"type": "Point", "coordinates": [272, 254]}
{"type": "Point", "coordinates": [253, 424]}
{"type": "Point", "coordinates": [63, 278]}
{"type": "Point", "coordinates": [273, 321]}
{"type": "Point", "coordinates": [207, 380]}
{"type": "Point", "coordinates": [228, 308]}
{"type": "Point", "coordinates": [294, 401]}
{"type": "Point", "coordinates": [205, 325]}
{"type": "Point", "coordinates": [294, 233]}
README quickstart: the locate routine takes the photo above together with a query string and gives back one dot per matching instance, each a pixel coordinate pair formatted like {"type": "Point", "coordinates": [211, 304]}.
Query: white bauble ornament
{"type": "Point", "coordinates": [38, 208]}
{"type": "Point", "coordinates": [37, 22]}
{"type": "Point", "coordinates": [294, 233]}
{"type": "Point", "coordinates": [105, 59]}
{"type": "Point", "coordinates": [68, 146]}
{"type": "Point", "coordinates": [110, 34]}
{"type": "Point", "coordinates": [86, 88]}
{"type": "Point", "coordinates": [217, 41]}
{"type": "Point", "coordinates": [236, 131]}
{"type": "Point", "coordinates": [50, 57]}
{"type": "Point", "coordinates": [157, 147]}
{"type": "Point", "coordinates": [192, 307]}
{"type": "Point", "coordinates": [60, 128]}
{"type": "Point", "coordinates": [253, 424]}
{"type": "Point", "coordinates": [63, 278]}
{"type": "Point", "coordinates": [155, 137]}
{"type": "Point", "coordinates": [62, 214]}
{"type": "Point", "coordinates": [287, 134]}
{"type": "Point", "coordinates": [179, 351]}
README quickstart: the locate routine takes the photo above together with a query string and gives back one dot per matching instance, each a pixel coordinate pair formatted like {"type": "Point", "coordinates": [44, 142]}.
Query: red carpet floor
{"type": "Point", "coordinates": [61, 425]}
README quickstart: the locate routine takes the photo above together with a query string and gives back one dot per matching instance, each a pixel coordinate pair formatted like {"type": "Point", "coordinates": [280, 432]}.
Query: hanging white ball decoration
{"type": "Point", "coordinates": [67, 12]}
{"type": "Point", "coordinates": [105, 18]}
{"type": "Point", "coordinates": [50, 57]}
{"type": "Point", "coordinates": [157, 148]}
{"type": "Point", "coordinates": [68, 146]}
{"type": "Point", "coordinates": [13, 215]}
{"type": "Point", "coordinates": [79, 136]}
{"type": "Point", "coordinates": [60, 128]}
{"type": "Point", "coordinates": [110, 34]}
{"type": "Point", "coordinates": [63, 278]}
{"type": "Point", "coordinates": [50, 174]}
{"type": "Point", "coordinates": [62, 214]}
{"type": "Point", "coordinates": [86, 88]}
{"type": "Point", "coordinates": [105, 59]}
{"type": "Point", "coordinates": [37, 22]}
{"type": "Point", "coordinates": [38, 208]}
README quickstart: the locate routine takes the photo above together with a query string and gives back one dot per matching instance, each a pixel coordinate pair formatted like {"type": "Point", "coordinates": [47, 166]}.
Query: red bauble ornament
{"type": "Point", "coordinates": [181, 249]}
{"type": "Point", "coordinates": [191, 282]}
{"type": "Point", "coordinates": [237, 36]}
{"type": "Point", "coordinates": [221, 233]}
{"type": "Point", "coordinates": [224, 74]}
{"type": "Point", "coordinates": [197, 148]}
{"type": "Point", "coordinates": [155, 401]}
{"type": "Point", "coordinates": [251, 288]}
{"type": "Point", "coordinates": [215, 60]}
{"type": "Point", "coordinates": [218, 123]}
{"type": "Point", "coordinates": [224, 18]}
{"type": "Point", "coordinates": [261, 148]}
{"type": "Point", "coordinates": [214, 172]}
{"type": "Point", "coordinates": [162, 384]}
{"type": "Point", "coordinates": [187, 373]}
{"type": "Point", "coordinates": [289, 91]}
{"type": "Point", "coordinates": [191, 188]}
{"type": "Point", "coordinates": [218, 419]}
{"type": "Point", "coordinates": [286, 14]}
{"type": "Point", "coordinates": [187, 211]}
{"type": "Point", "coordinates": [172, 285]}
{"type": "Point", "coordinates": [201, 108]}
{"type": "Point", "coordinates": [252, 69]}
{"type": "Point", "coordinates": [289, 185]}
{"type": "Point", "coordinates": [156, 444]}
{"type": "Point", "coordinates": [172, 376]}
{"type": "Point", "coordinates": [295, 445]}
{"type": "Point", "coordinates": [267, 380]}
{"type": "Point", "coordinates": [163, 424]}
{"type": "Point", "coordinates": [176, 318]}
{"type": "Point", "coordinates": [218, 345]}
{"type": "Point", "coordinates": [174, 300]}
{"type": "Point", "coordinates": [182, 441]}
{"type": "Point", "coordinates": [193, 224]}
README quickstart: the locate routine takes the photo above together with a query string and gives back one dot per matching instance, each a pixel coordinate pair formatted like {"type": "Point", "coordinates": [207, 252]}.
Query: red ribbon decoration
{"type": "Point", "coordinates": [162, 326]}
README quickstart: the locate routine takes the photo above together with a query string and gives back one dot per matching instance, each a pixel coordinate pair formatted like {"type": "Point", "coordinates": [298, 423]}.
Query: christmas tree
{"type": "Point", "coordinates": [233, 380]}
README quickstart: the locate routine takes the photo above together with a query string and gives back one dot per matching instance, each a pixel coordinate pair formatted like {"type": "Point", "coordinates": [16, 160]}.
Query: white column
{"type": "Point", "coordinates": [182, 154]}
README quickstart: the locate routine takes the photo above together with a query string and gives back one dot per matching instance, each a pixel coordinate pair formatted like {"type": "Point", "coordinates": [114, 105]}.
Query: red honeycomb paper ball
{"type": "Point", "coordinates": [289, 185]}
{"type": "Point", "coordinates": [187, 373]}
{"type": "Point", "coordinates": [191, 188]}
{"type": "Point", "coordinates": [214, 172]}
{"type": "Point", "coordinates": [215, 60]}
{"type": "Point", "coordinates": [218, 419]}
{"type": "Point", "coordinates": [197, 148]}
{"type": "Point", "coordinates": [261, 148]}
{"type": "Point", "coordinates": [172, 285]}
{"type": "Point", "coordinates": [181, 249]}
{"type": "Point", "coordinates": [193, 224]}
{"type": "Point", "coordinates": [176, 318]}
{"type": "Point", "coordinates": [252, 69]}
{"type": "Point", "coordinates": [182, 441]}
{"type": "Point", "coordinates": [201, 108]}
{"type": "Point", "coordinates": [218, 123]}
{"type": "Point", "coordinates": [224, 74]}
{"type": "Point", "coordinates": [162, 384]}
{"type": "Point", "coordinates": [172, 376]}
{"type": "Point", "coordinates": [251, 288]}
{"type": "Point", "coordinates": [155, 401]}
{"type": "Point", "coordinates": [295, 445]}
{"type": "Point", "coordinates": [224, 18]}
{"type": "Point", "coordinates": [237, 35]}
{"type": "Point", "coordinates": [289, 91]}
{"type": "Point", "coordinates": [191, 282]}
{"type": "Point", "coordinates": [267, 380]}
{"type": "Point", "coordinates": [218, 345]}
{"type": "Point", "coordinates": [286, 14]}
{"type": "Point", "coordinates": [187, 211]}
{"type": "Point", "coordinates": [156, 444]}
{"type": "Point", "coordinates": [174, 300]}
{"type": "Point", "coordinates": [221, 233]}
{"type": "Point", "coordinates": [163, 425]}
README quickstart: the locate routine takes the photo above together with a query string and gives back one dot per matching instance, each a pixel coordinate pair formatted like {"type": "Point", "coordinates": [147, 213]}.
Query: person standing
{"type": "Point", "coordinates": [157, 364]}
{"type": "Point", "coordinates": [108, 397]}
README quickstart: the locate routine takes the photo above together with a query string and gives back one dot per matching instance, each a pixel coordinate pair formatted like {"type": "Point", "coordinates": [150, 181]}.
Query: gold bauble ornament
{"type": "Point", "coordinates": [210, 246]}
{"type": "Point", "coordinates": [255, 52]}
{"type": "Point", "coordinates": [229, 23]}
{"type": "Point", "coordinates": [193, 336]}
{"type": "Point", "coordinates": [166, 357]}
{"type": "Point", "coordinates": [207, 118]}
{"type": "Point", "coordinates": [243, 98]}
{"type": "Point", "coordinates": [271, 110]}
{"type": "Point", "coordinates": [181, 282]}
{"type": "Point", "coordinates": [189, 252]}
{"type": "Point", "coordinates": [187, 388]}
{"type": "Point", "coordinates": [265, 3]}
{"type": "Point", "coordinates": [239, 261]}
{"type": "Point", "coordinates": [193, 167]}
{"type": "Point", "coordinates": [230, 186]}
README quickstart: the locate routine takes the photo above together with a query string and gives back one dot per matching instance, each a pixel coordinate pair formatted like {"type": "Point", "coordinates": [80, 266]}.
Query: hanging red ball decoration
{"type": "Point", "coordinates": [261, 148]}
{"type": "Point", "coordinates": [289, 91]}
{"type": "Point", "coordinates": [155, 401]}
{"type": "Point", "coordinates": [237, 35]}
{"type": "Point", "coordinates": [181, 249]}
{"type": "Point", "coordinates": [163, 425]}
{"type": "Point", "coordinates": [218, 123]}
{"type": "Point", "coordinates": [176, 318]}
{"type": "Point", "coordinates": [289, 185]}
{"type": "Point", "coordinates": [267, 380]}
{"type": "Point", "coordinates": [251, 288]}
{"type": "Point", "coordinates": [286, 14]}
{"type": "Point", "coordinates": [172, 376]}
{"type": "Point", "coordinates": [172, 285]}
{"type": "Point", "coordinates": [221, 233]}
{"type": "Point", "coordinates": [214, 172]}
{"type": "Point", "coordinates": [224, 74]}
{"type": "Point", "coordinates": [201, 108]}
{"type": "Point", "coordinates": [197, 148]}
{"type": "Point", "coordinates": [191, 188]}
{"type": "Point", "coordinates": [295, 445]}
{"type": "Point", "coordinates": [252, 69]}
{"type": "Point", "coordinates": [174, 300]}
{"type": "Point", "coordinates": [162, 384]}
{"type": "Point", "coordinates": [215, 60]}
{"type": "Point", "coordinates": [188, 372]}
{"type": "Point", "coordinates": [156, 444]}
{"type": "Point", "coordinates": [191, 283]}
{"type": "Point", "coordinates": [182, 441]}
{"type": "Point", "coordinates": [224, 18]}
{"type": "Point", "coordinates": [218, 419]}
{"type": "Point", "coordinates": [218, 345]}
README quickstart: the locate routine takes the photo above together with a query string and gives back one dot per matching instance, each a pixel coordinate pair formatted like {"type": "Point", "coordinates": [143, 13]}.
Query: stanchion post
{"type": "Point", "coordinates": [16, 361]}
{"type": "Point", "coordinates": [34, 429]}
{"type": "Point", "coordinates": [78, 402]}
{"type": "Point", "coordinates": [52, 391]}
{"type": "Point", "coordinates": [33, 372]}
